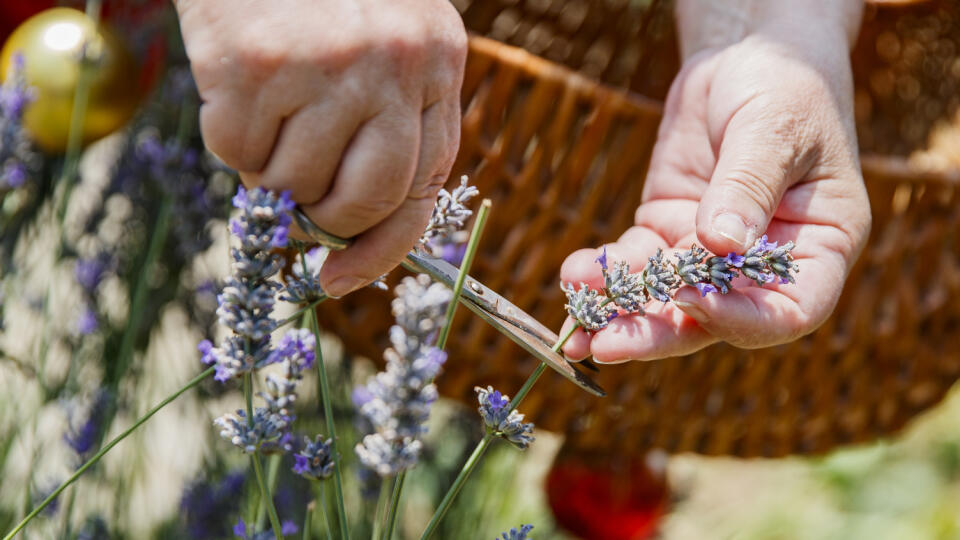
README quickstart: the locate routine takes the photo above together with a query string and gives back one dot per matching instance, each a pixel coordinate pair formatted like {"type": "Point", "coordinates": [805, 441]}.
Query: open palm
{"type": "Point", "coordinates": [757, 138]}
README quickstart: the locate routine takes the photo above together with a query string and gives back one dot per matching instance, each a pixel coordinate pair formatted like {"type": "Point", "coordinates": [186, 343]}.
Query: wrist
{"type": "Point", "coordinates": [705, 24]}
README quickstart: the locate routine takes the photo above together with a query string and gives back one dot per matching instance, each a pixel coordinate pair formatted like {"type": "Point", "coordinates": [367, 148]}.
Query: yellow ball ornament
{"type": "Point", "coordinates": [57, 45]}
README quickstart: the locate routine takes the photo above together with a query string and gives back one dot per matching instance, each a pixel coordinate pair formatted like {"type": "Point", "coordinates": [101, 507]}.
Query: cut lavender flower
{"type": "Point", "coordinates": [514, 534]}
{"type": "Point", "coordinates": [763, 262]}
{"type": "Point", "coordinates": [314, 460]}
{"type": "Point", "coordinates": [503, 422]}
{"type": "Point", "coordinates": [722, 271]}
{"type": "Point", "coordinates": [588, 307]}
{"type": "Point", "coordinates": [659, 278]}
{"type": "Point", "coordinates": [626, 290]}
{"type": "Point", "coordinates": [304, 286]}
{"type": "Point", "coordinates": [450, 212]}
{"type": "Point", "coordinates": [396, 402]}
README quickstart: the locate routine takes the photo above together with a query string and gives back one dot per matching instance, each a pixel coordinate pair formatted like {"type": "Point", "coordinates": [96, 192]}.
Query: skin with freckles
{"type": "Point", "coordinates": [757, 137]}
{"type": "Point", "coordinates": [353, 106]}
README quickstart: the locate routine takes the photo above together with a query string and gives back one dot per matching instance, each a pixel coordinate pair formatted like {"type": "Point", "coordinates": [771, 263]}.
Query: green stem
{"type": "Point", "coordinates": [96, 457]}
{"type": "Point", "coordinates": [458, 484]}
{"type": "Point", "coordinates": [468, 256]}
{"type": "Point", "coordinates": [485, 442]}
{"type": "Point", "coordinates": [326, 514]}
{"type": "Point", "coordinates": [265, 494]}
{"type": "Point", "coordinates": [272, 469]}
{"type": "Point", "coordinates": [265, 499]}
{"type": "Point", "coordinates": [378, 513]}
{"type": "Point", "coordinates": [394, 503]}
{"type": "Point", "coordinates": [532, 379]}
{"type": "Point", "coordinates": [301, 311]}
{"type": "Point", "coordinates": [157, 240]}
{"type": "Point", "coordinates": [331, 427]}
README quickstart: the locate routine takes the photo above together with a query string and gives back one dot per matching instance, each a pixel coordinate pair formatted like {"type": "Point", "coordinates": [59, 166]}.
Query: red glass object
{"type": "Point", "coordinates": [606, 501]}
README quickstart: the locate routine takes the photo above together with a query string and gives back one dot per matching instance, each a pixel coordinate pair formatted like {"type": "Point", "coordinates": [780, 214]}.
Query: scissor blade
{"type": "Point", "coordinates": [520, 327]}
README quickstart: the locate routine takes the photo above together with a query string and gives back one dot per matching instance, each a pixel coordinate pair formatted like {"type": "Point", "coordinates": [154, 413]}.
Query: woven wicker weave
{"type": "Point", "coordinates": [562, 157]}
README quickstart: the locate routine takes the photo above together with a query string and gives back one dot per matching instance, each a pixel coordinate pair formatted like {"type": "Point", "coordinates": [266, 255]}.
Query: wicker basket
{"type": "Point", "coordinates": [561, 154]}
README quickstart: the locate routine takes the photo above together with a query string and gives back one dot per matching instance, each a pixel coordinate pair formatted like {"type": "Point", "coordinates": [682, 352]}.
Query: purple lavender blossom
{"type": "Point", "coordinates": [206, 505]}
{"type": "Point", "coordinates": [89, 273]}
{"type": "Point", "coordinates": [721, 273]}
{"type": "Point", "coordinates": [247, 298]}
{"type": "Point", "coordinates": [659, 278]}
{"type": "Point", "coordinates": [88, 322]}
{"type": "Point", "coordinates": [514, 534]}
{"type": "Point", "coordinates": [82, 437]}
{"type": "Point", "coordinates": [304, 286]}
{"type": "Point", "coordinates": [16, 94]}
{"type": "Point", "coordinates": [626, 290]}
{"type": "Point", "coordinates": [314, 461]}
{"type": "Point", "coordinates": [396, 402]}
{"type": "Point", "coordinates": [503, 422]}
{"type": "Point", "coordinates": [602, 259]}
{"type": "Point", "coordinates": [287, 528]}
{"type": "Point", "coordinates": [450, 212]}
{"type": "Point", "coordinates": [18, 160]}
{"type": "Point", "coordinates": [588, 307]}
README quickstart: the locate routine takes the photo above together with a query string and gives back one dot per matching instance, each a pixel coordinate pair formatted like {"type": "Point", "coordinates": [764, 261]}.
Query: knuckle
{"type": "Point", "coordinates": [743, 182]}
{"type": "Point", "coordinates": [371, 206]}
{"type": "Point", "coordinates": [428, 187]}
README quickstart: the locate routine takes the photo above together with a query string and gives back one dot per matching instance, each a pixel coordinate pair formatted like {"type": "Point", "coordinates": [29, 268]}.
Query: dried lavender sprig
{"type": "Point", "coordinates": [764, 262]}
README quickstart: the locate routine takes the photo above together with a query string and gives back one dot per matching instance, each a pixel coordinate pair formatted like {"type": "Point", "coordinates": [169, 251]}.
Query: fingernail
{"type": "Point", "coordinates": [692, 310]}
{"type": "Point", "coordinates": [343, 285]}
{"type": "Point", "coordinates": [732, 227]}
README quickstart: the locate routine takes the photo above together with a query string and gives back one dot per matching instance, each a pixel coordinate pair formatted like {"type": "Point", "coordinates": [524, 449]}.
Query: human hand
{"type": "Point", "coordinates": [757, 136]}
{"type": "Point", "coordinates": [352, 106]}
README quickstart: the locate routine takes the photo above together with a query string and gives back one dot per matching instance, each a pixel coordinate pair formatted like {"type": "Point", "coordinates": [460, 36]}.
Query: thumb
{"type": "Point", "coordinates": [755, 166]}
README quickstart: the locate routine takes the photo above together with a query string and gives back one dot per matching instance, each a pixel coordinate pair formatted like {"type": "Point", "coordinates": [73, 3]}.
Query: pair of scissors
{"type": "Point", "coordinates": [496, 310]}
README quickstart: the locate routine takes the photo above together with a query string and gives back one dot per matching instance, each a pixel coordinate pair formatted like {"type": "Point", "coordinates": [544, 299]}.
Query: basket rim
{"type": "Point", "coordinates": [878, 167]}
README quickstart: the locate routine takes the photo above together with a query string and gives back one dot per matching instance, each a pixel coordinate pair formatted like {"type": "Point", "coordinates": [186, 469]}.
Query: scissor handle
{"type": "Point", "coordinates": [496, 310]}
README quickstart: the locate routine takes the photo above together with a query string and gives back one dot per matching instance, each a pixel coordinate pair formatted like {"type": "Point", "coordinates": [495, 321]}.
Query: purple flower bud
{"type": "Point", "coordinates": [602, 259]}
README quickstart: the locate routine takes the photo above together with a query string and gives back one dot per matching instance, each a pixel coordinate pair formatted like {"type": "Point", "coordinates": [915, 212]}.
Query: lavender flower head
{"type": "Point", "coordinates": [304, 286]}
{"type": "Point", "coordinates": [514, 534]}
{"type": "Point", "coordinates": [395, 403]}
{"type": "Point", "coordinates": [267, 426]}
{"type": "Point", "coordinates": [82, 437]}
{"type": "Point", "coordinates": [588, 307]}
{"type": "Point", "coordinates": [765, 262]}
{"type": "Point", "coordinates": [626, 290]}
{"type": "Point", "coordinates": [247, 299]}
{"type": "Point", "coordinates": [450, 212]}
{"type": "Point", "coordinates": [659, 278]}
{"type": "Point", "coordinates": [503, 422]}
{"type": "Point", "coordinates": [270, 429]}
{"type": "Point", "coordinates": [315, 460]}
{"type": "Point", "coordinates": [18, 160]}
